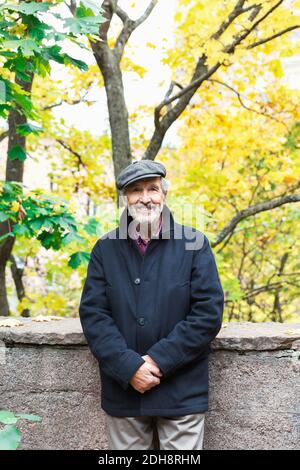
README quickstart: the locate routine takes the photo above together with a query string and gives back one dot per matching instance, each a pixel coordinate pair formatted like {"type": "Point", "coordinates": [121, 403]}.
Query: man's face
{"type": "Point", "coordinates": [145, 199]}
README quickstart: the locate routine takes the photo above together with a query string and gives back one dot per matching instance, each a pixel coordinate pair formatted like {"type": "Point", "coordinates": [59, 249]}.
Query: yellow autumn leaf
{"type": "Point", "coordinates": [10, 322]}
{"type": "Point", "coordinates": [151, 45]}
{"type": "Point", "coordinates": [44, 318]}
{"type": "Point", "coordinates": [15, 206]}
{"type": "Point", "coordinates": [289, 179]}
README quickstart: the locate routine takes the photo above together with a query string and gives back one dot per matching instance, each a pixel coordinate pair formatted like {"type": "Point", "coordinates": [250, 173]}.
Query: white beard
{"type": "Point", "coordinates": [145, 218]}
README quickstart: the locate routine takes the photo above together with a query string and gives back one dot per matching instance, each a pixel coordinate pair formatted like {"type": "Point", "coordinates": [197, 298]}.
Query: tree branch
{"type": "Point", "coordinates": [269, 116]}
{"type": "Point", "coordinates": [267, 287]}
{"type": "Point", "coordinates": [119, 11]}
{"type": "Point", "coordinates": [108, 12]}
{"type": "Point", "coordinates": [276, 35]}
{"type": "Point", "coordinates": [70, 102]}
{"type": "Point", "coordinates": [76, 154]}
{"type": "Point", "coordinates": [129, 25]}
{"type": "Point", "coordinates": [237, 11]}
{"type": "Point", "coordinates": [146, 13]}
{"type": "Point", "coordinates": [71, 6]}
{"type": "Point", "coordinates": [201, 73]}
{"type": "Point", "coordinates": [252, 210]}
{"type": "Point", "coordinates": [191, 86]}
{"type": "Point", "coordinates": [239, 38]}
{"type": "Point", "coordinates": [184, 96]}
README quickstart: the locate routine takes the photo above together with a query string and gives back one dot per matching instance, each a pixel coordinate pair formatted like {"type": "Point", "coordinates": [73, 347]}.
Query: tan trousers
{"type": "Point", "coordinates": [147, 432]}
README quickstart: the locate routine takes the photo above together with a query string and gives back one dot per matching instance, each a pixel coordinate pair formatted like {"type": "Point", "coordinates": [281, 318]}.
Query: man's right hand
{"type": "Point", "coordinates": [146, 377]}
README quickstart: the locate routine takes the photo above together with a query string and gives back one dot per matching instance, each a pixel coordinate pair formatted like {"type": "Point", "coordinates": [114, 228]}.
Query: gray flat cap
{"type": "Point", "coordinates": [139, 170]}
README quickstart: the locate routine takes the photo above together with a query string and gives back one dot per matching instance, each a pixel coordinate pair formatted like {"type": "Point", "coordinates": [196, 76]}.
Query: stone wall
{"type": "Point", "coordinates": [47, 369]}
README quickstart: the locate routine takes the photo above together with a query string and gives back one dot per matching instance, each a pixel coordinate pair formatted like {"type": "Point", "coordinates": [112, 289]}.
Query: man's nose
{"type": "Point", "coordinates": [145, 197]}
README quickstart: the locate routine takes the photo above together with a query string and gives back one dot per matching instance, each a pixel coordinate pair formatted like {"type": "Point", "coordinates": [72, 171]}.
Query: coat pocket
{"type": "Point", "coordinates": [178, 300]}
{"type": "Point", "coordinates": [185, 283]}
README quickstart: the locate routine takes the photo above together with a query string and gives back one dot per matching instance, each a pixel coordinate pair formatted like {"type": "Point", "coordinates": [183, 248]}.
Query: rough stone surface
{"type": "Point", "coordinates": [46, 368]}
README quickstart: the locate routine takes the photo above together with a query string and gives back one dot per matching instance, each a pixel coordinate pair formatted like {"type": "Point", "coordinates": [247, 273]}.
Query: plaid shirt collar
{"type": "Point", "coordinates": [143, 243]}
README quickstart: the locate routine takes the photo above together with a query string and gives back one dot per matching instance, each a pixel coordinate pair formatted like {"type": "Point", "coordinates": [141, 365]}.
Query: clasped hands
{"type": "Point", "coordinates": [147, 376]}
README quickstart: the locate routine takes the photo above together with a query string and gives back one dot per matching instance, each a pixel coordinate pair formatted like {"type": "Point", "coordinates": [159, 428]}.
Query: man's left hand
{"type": "Point", "coordinates": [150, 360]}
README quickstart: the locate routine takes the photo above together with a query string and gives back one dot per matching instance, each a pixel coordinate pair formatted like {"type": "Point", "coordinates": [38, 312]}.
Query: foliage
{"type": "Point", "coordinates": [28, 44]}
{"type": "Point", "coordinates": [45, 218]}
{"type": "Point", "coordinates": [10, 435]}
{"type": "Point", "coordinates": [236, 145]}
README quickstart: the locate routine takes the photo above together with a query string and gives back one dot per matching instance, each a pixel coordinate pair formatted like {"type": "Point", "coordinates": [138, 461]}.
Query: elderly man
{"type": "Point", "coordinates": [151, 304]}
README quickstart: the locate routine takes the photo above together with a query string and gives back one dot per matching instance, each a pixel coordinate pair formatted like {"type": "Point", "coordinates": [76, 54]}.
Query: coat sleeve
{"type": "Point", "coordinates": [191, 336]}
{"type": "Point", "coordinates": [102, 334]}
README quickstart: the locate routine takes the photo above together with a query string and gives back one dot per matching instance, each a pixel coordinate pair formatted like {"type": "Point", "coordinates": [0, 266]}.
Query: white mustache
{"type": "Point", "coordinates": [143, 213]}
{"type": "Point", "coordinates": [145, 207]}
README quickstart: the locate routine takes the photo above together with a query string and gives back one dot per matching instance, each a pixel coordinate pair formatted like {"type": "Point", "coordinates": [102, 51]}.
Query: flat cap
{"type": "Point", "coordinates": [139, 170]}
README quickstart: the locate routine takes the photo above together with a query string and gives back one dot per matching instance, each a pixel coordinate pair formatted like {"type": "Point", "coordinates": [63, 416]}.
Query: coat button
{"type": "Point", "coordinates": [137, 280]}
{"type": "Point", "coordinates": [141, 321]}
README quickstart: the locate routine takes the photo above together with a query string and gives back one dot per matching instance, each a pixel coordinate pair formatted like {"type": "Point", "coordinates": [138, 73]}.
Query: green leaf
{"type": "Point", "coordinates": [41, 66]}
{"type": "Point", "coordinates": [24, 102]}
{"type": "Point", "coordinates": [40, 222]}
{"type": "Point", "coordinates": [28, 417]}
{"type": "Point", "coordinates": [54, 53]}
{"type": "Point", "coordinates": [27, 8]}
{"type": "Point", "coordinates": [91, 6]}
{"type": "Point", "coordinates": [91, 226]}
{"type": "Point", "coordinates": [85, 25]}
{"type": "Point", "coordinates": [2, 91]}
{"type": "Point", "coordinates": [71, 237]}
{"type": "Point", "coordinates": [7, 417]}
{"type": "Point", "coordinates": [3, 216]}
{"type": "Point", "coordinates": [64, 221]}
{"type": "Point", "coordinates": [78, 63]}
{"type": "Point", "coordinates": [13, 187]}
{"type": "Point", "coordinates": [50, 240]}
{"type": "Point", "coordinates": [16, 153]}
{"type": "Point", "coordinates": [77, 258]}
{"type": "Point", "coordinates": [36, 28]}
{"type": "Point", "coordinates": [10, 438]}
{"type": "Point", "coordinates": [27, 46]}
{"type": "Point", "coordinates": [22, 230]}
{"type": "Point", "coordinates": [26, 129]}
{"type": "Point", "coordinates": [83, 11]}
{"type": "Point", "coordinates": [4, 110]}
{"type": "Point", "coordinates": [8, 234]}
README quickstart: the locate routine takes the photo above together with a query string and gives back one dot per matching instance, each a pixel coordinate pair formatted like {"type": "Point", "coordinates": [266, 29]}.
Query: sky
{"type": "Point", "coordinates": [150, 90]}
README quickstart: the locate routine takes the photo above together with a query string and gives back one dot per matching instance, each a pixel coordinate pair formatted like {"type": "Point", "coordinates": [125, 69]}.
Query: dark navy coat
{"type": "Point", "coordinates": [167, 303]}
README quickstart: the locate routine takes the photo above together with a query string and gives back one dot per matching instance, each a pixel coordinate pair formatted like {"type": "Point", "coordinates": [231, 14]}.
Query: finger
{"type": "Point", "coordinates": [155, 370]}
{"type": "Point", "coordinates": [152, 378]}
{"type": "Point", "coordinates": [155, 381]}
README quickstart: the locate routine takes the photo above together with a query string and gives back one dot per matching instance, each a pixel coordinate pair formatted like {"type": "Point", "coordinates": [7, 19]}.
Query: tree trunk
{"type": "Point", "coordinates": [17, 274]}
{"type": "Point", "coordinates": [4, 308]}
{"type": "Point", "coordinates": [14, 172]}
{"type": "Point", "coordinates": [117, 110]}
